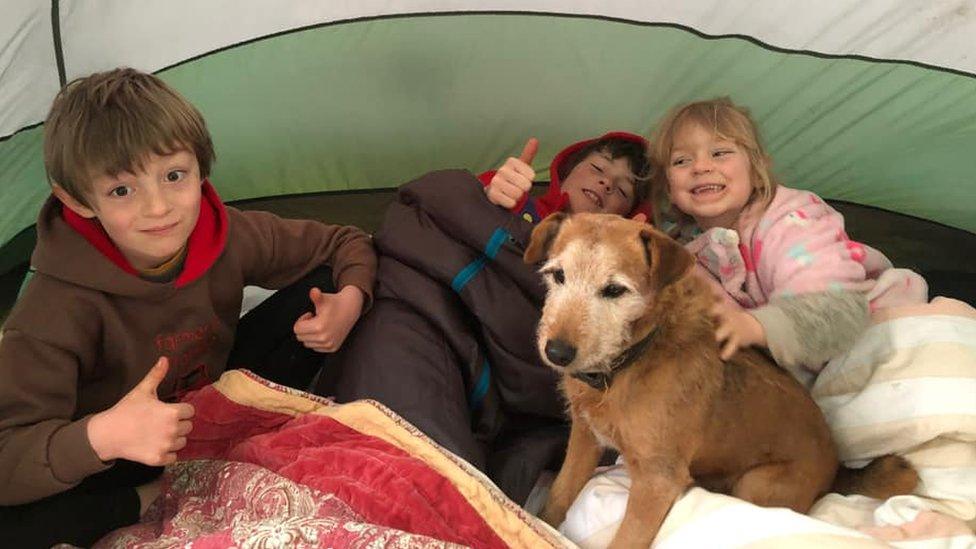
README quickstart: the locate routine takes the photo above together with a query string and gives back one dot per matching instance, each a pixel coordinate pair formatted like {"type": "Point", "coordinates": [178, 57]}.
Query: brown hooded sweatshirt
{"type": "Point", "coordinates": [87, 329]}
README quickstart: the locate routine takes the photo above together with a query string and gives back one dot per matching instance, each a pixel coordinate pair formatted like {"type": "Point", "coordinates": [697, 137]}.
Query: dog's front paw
{"type": "Point", "coordinates": [553, 514]}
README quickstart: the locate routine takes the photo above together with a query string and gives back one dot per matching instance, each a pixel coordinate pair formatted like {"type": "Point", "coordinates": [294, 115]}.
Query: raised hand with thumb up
{"type": "Point", "coordinates": [326, 328]}
{"type": "Point", "coordinates": [514, 178]}
{"type": "Point", "coordinates": [140, 427]}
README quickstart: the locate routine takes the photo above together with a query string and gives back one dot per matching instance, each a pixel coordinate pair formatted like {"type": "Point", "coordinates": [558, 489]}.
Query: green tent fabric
{"type": "Point", "coordinates": [869, 104]}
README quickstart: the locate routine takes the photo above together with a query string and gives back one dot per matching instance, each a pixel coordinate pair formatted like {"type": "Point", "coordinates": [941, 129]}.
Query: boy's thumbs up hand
{"type": "Point", "coordinates": [528, 151]}
{"type": "Point", "coordinates": [514, 178]}
{"type": "Point", "coordinates": [326, 329]}
{"type": "Point", "coordinates": [140, 427]}
{"type": "Point", "coordinates": [156, 375]}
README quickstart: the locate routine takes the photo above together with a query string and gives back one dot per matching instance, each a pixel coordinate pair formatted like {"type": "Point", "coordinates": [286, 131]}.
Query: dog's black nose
{"type": "Point", "coordinates": [559, 352]}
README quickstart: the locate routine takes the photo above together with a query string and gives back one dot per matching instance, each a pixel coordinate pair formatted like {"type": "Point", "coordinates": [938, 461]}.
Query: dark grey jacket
{"type": "Point", "coordinates": [450, 341]}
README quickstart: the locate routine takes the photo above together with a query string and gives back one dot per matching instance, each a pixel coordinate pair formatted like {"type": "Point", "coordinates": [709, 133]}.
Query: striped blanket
{"type": "Point", "coordinates": [266, 466]}
{"type": "Point", "coordinates": [907, 387]}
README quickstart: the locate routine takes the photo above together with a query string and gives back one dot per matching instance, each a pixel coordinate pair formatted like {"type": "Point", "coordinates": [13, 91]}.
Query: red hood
{"type": "Point", "coordinates": [204, 246]}
{"type": "Point", "coordinates": [555, 200]}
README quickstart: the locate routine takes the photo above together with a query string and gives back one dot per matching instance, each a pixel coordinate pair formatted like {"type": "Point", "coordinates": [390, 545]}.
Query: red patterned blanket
{"type": "Point", "coordinates": [267, 466]}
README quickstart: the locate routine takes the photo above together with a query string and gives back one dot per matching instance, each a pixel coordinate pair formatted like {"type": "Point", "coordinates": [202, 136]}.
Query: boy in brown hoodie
{"type": "Point", "coordinates": [135, 300]}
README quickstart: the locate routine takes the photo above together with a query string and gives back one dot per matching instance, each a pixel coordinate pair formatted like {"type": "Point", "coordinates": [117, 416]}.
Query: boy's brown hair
{"type": "Point", "coordinates": [109, 122]}
{"type": "Point", "coordinates": [728, 121]}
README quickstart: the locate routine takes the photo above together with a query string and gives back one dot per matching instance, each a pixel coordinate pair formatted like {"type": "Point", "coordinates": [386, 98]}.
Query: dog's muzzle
{"type": "Point", "coordinates": [601, 380]}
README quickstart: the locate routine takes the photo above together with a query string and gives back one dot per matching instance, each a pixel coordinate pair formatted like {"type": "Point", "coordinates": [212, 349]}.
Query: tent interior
{"type": "Point", "coordinates": [338, 103]}
{"type": "Point", "coordinates": [310, 99]}
{"type": "Point", "coordinates": [321, 110]}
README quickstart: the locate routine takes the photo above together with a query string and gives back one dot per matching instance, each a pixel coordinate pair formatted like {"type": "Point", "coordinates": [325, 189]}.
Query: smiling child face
{"type": "Point", "coordinates": [600, 184]}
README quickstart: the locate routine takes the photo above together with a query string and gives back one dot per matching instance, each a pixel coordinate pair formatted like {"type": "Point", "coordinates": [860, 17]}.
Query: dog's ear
{"type": "Point", "coordinates": [542, 237]}
{"type": "Point", "coordinates": [668, 260]}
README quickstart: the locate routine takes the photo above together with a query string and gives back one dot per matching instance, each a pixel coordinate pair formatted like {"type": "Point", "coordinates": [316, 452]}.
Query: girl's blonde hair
{"type": "Point", "coordinates": [728, 121]}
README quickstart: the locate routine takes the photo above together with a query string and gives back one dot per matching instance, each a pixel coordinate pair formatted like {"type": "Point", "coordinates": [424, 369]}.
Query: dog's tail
{"type": "Point", "coordinates": [884, 477]}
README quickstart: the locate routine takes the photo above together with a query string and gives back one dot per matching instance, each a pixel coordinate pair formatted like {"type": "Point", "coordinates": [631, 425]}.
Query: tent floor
{"type": "Point", "coordinates": [945, 256]}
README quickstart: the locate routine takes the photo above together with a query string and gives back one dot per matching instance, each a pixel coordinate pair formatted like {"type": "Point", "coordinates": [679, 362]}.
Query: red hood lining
{"type": "Point", "coordinates": [204, 245]}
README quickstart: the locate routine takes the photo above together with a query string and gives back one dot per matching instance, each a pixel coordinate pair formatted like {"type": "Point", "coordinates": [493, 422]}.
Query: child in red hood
{"type": "Point", "coordinates": [607, 174]}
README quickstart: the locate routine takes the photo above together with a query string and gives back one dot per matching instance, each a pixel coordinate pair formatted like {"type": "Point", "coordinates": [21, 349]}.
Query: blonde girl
{"type": "Point", "coordinates": [798, 285]}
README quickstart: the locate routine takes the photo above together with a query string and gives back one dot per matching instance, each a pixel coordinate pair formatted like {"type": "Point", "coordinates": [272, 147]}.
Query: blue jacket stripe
{"type": "Point", "coordinates": [472, 269]}
{"type": "Point", "coordinates": [495, 242]}
{"type": "Point", "coordinates": [467, 273]}
{"type": "Point", "coordinates": [481, 389]}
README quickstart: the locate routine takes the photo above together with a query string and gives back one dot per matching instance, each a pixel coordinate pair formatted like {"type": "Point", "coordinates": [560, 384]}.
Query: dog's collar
{"type": "Point", "coordinates": [601, 380]}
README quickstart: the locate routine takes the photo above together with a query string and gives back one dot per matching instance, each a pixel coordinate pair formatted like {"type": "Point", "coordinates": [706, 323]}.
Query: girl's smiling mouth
{"type": "Point", "coordinates": [707, 189]}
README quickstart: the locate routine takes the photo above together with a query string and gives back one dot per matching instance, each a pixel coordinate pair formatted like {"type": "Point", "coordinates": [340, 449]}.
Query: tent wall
{"type": "Point", "coordinates": [368, 99]}
{"type": "Point", "coordinates": [151, 35]}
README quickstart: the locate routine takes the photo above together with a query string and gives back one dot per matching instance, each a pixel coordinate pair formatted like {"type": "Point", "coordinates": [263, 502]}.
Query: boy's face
{"type": "Point", "coordinates": [600, 184]}
{"type": "Point", "coordinates": [149, 215]}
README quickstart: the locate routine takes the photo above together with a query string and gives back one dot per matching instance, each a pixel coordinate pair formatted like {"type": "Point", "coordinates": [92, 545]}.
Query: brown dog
{"type": "Point", "coordinates": [629, 326]}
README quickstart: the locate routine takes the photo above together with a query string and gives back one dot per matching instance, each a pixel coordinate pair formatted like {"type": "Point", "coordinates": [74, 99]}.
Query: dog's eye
{"type": "Point", "coordinates": [558, 276]}
{"type": "Point", "coordinates": [611, 291]}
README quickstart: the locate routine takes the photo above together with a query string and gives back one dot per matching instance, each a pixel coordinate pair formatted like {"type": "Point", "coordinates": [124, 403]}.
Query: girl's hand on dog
{"type": "Point", "coordinates": [514, 178]}
{"type": "Point", "coordinates": [736, 329]}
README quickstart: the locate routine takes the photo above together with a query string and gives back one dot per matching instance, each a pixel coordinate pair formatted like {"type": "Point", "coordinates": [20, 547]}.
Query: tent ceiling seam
{"type": "Point", "coordinates": [56, 35]}
{"type": "Point", "coordinates": [678, 26]}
